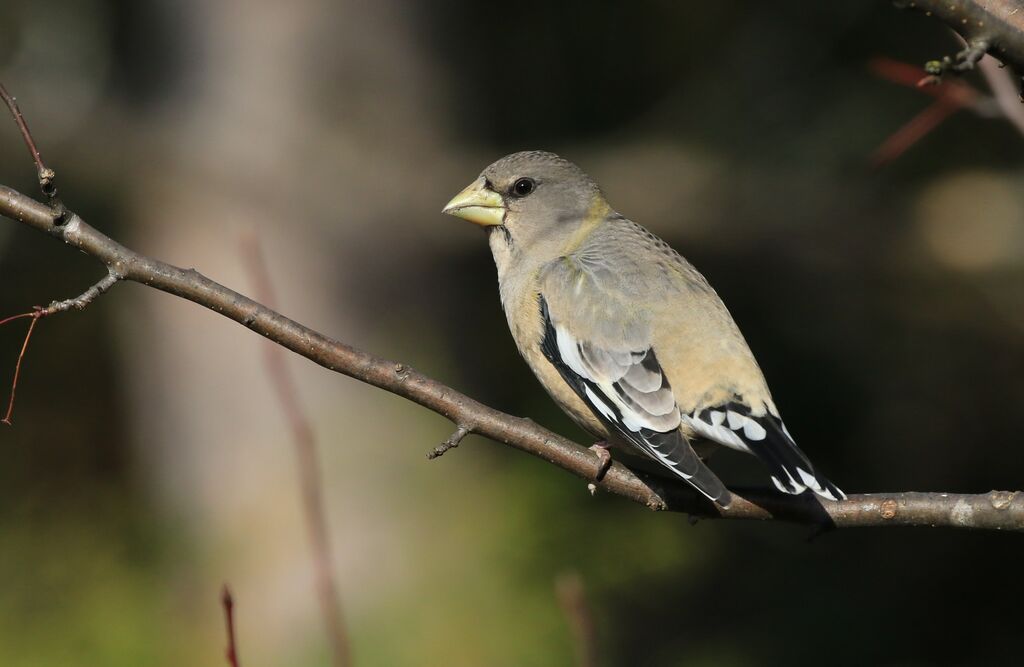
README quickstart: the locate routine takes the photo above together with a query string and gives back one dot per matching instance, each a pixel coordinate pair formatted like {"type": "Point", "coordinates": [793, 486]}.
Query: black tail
{"type": "Point", "coordinates": [790, 468]}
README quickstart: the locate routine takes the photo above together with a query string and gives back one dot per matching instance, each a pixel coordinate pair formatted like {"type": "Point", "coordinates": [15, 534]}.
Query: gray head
{"type": "Point", "coordinates": [534, 196]}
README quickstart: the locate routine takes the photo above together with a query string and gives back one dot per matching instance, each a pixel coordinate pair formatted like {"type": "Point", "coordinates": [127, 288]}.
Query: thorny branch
{"type": "Point", "coordinates": [997, 510]}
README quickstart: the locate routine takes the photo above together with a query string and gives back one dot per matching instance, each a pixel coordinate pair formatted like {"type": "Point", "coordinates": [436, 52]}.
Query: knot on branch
{"type": "Point", "coordinates": [1001, 500]}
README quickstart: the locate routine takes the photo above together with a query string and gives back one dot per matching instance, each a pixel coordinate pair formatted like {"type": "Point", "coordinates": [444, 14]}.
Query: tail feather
{"type": "Point", "coordinates": [791, 470]}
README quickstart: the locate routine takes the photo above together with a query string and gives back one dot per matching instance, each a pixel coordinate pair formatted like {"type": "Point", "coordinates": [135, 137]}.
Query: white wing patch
{"type": "Point", "coordinates": [725, 426]}
{"type": "Point", "coordinates": [601, 406]}
{"type": "Point", "coordinates": [733, 426]}
{"type": "Point", "coordinates": [569, 350]}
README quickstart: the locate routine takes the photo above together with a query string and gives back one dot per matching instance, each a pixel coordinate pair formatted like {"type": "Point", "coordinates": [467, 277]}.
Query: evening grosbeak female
{"type": "Point", "coordinates": [625, 334]}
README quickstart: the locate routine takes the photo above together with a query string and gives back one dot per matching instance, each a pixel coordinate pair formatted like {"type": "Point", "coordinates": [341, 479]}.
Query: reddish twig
{"type": "Point", "coordinates": [26, 134]}
{"type": "Point", "coordinates": [951, 96]}
{"type": "Point", "coordinates": [21, 355]}
{"type": "Point", "coordinates": [915, 129]}
{"type": "Point", "coordinates": [572, 599]}
{"type": "Point", "coordinates": [912, 76]}
{"type": "Point", "coordinates": [47, 177]}
{"type": "Point", "coordinates": [283, 383]}
{"type": "Point", "coordinates": [231, 653]}
{"type": "Point", "coordinates": [79, 303]}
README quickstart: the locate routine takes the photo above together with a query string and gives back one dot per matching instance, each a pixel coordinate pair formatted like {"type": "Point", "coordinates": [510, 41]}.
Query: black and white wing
{"type": "Point", "coordinates": [766, 437]}
{"type": "Point", "coordinates": [627, 390]}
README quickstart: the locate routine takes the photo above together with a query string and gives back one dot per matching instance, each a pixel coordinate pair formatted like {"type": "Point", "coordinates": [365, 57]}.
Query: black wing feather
{"type": "Point", "coordinates": [668, 448]}
{"type": "Point", "coordinates": [790, 468]}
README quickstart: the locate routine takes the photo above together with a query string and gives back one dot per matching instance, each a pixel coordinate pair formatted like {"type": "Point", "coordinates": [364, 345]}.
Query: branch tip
{"type": "Point", "coordinates": [47, 177]}
{"type": "Point", "coordinates": [228, 603]}
{"type": "Point", "coordinates": [461, 431]}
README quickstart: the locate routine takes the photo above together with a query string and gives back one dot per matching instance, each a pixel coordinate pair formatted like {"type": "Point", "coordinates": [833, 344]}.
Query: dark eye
{"type": "Point", "coordinates": [523, 187]}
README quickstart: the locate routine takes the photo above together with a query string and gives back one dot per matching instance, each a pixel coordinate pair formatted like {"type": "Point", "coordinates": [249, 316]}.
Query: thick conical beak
{"type": "Point", "coordinates": [477, 203]}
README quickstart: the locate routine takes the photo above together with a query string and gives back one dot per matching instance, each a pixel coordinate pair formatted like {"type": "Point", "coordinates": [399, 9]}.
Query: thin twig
{"type": "Point", "coordinates": [26, 134]}
{"type": "Point", "coordinates": [461, 431]}
{"type": "Point", "coordinates": [572, 598]}
{"type": "Point", "coordinates": [229, 619]}
{"type": "Point", "coordinates": [285, 389]}
{"type": "Point", "coordinates": [915, 129]}
{"type": "Point", "coordinates": [79, 302]}
{"type": "Point", "coordinates": [47, 177]}
{"type": "Point", "coordinates": [951, 96]}
{"type": "Point", "coordinates": [17, 366]}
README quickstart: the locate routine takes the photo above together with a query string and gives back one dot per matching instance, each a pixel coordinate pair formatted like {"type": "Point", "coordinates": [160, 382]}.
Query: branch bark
{"type": "Point", "coordinates": [996, 26]}
{"type": "Point", "coordinates": [995, 511]}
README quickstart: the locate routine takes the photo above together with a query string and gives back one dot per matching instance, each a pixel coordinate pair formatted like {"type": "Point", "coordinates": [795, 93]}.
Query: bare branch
{"type": "Point", "coordinates": [304, 438]}
{"type": "Point", "coordinates": [995, 510]}
{"type": "Point", "coordinates": [992, 26]}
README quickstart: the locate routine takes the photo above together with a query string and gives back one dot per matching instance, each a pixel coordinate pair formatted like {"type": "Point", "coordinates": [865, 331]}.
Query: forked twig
{"type": "Point", "coordinates": [79, 303]}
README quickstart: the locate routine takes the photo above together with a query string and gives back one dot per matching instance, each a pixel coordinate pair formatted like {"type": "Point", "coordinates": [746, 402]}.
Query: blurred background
{"type": "Point", "coordinates": [149, 462]}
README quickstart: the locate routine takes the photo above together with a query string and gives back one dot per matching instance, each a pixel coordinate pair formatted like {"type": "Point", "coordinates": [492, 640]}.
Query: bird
{"type": "Point", "coordinates": [627, 337]}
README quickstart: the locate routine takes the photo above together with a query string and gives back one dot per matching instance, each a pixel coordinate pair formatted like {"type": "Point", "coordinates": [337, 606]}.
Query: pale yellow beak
{"type": "Point", "coordinates": [477, 203]}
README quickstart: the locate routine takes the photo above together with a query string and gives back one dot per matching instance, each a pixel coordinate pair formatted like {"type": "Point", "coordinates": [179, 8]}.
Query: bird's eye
{"type": "Point", "coordinates": [523, 187]}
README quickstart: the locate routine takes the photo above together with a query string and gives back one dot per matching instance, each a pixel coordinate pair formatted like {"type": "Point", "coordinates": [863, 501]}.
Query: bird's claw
{"type": "Point", "coordinates": [604, 458]}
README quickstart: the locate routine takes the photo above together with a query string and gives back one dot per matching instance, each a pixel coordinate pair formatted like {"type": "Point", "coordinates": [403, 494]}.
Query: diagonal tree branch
{"type": "Point", "coordinates": [992, 26]}
{"type": "Point", "coordinates": [996, 510]}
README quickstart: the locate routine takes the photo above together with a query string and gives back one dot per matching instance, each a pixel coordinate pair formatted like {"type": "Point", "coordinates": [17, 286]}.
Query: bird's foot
{"type": "Point", "coordinates": [604, 458]}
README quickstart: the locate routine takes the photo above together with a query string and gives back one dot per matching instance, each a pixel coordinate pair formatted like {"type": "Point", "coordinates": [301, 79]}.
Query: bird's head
{"type": "Point", "coordinates": [534, 196]}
